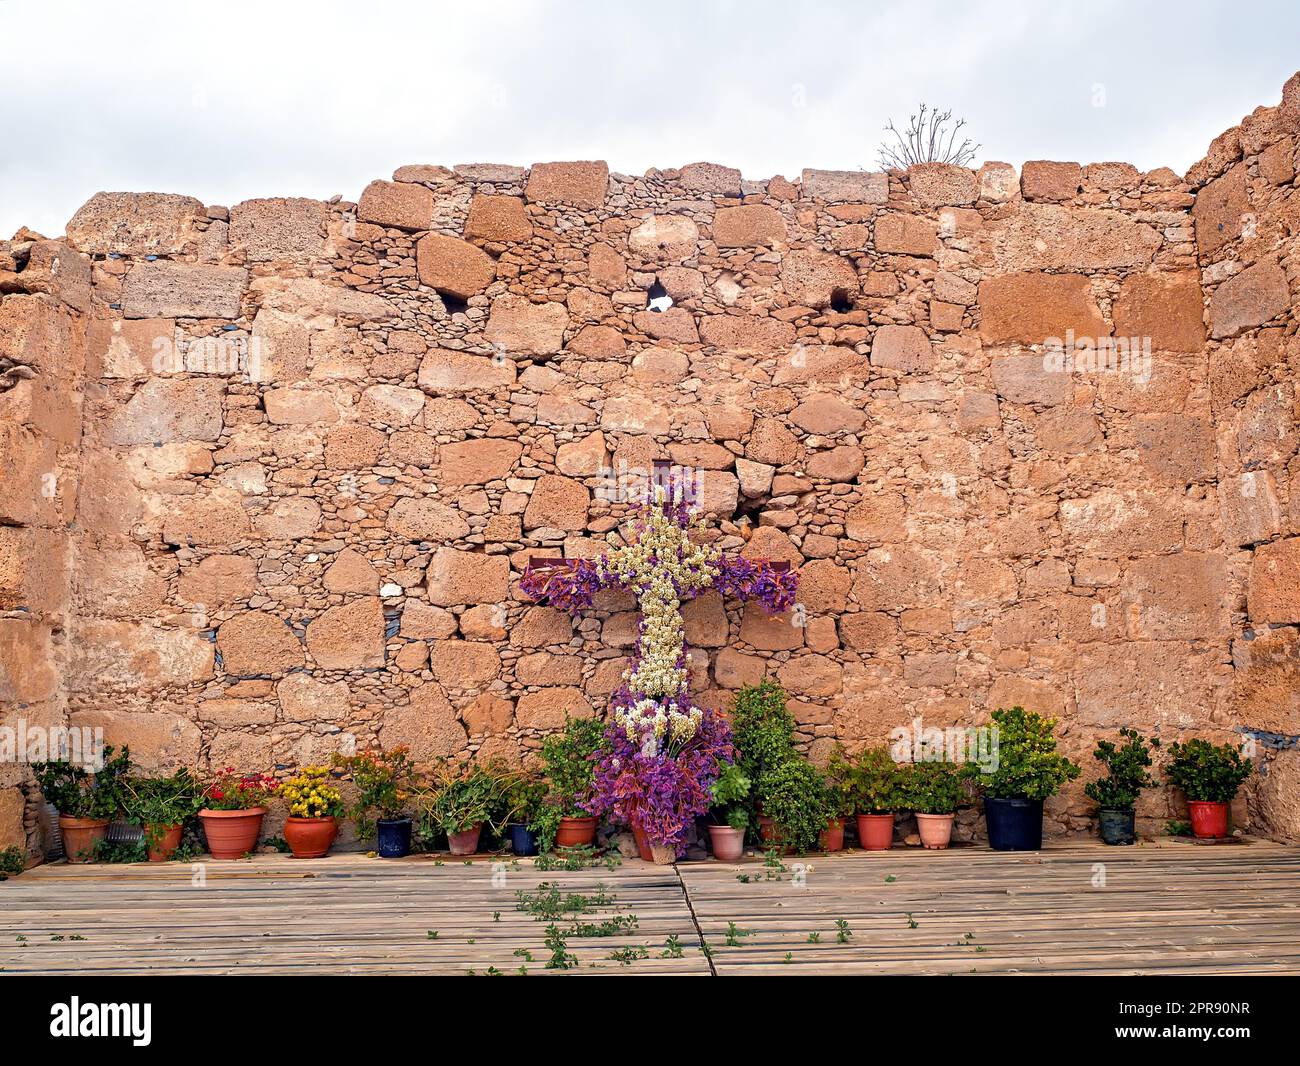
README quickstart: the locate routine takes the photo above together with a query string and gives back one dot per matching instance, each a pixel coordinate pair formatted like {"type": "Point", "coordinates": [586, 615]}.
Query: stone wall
{"type": "Point", "coordinates": [316, 443]}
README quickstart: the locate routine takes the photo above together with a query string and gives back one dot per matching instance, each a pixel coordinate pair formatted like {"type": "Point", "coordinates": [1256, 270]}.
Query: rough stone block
{"type": "Point", "coordinates": [584, 184]}
{"type": "Point", "coordinates": [397, 204]}
{"type": "Point", "coordinates": [160, 289]}
{"type": "Point", "coordinates": [453, 266]}
{"type": "Point", "coordinates": [134, 223]}
{"type": "Point", "coordinates": [280, 228]}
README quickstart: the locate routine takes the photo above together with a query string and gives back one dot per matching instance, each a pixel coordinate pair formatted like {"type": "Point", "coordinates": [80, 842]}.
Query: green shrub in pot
{"type": "Point", "coordinates": [461, 798]}
{"type": "Point", "coordinates": [933, 790]}
{"type": "Point", "coordinates": [793, 795]}
{"type": "Point", "coordinates": [729, 813]}
{"type": "Point", "coordinates": [1127, 774]}
{"type": "Point", "coordinates": [1209, 776]}
{"type": "Point", "coordinates": [86, 800]}
{"type": "Point", "coordinates": [570, 772]}
{"type": "Point", "coordinates": [162, 806]}
{"type": "Point", "coordinates": [1028, 769]}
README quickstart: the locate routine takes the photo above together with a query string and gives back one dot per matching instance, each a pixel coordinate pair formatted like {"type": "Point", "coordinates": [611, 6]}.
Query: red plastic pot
{"type": "Point", "coordinates": [232, 834]}
{"type": "Point", "coordinates": [310, 838]}
{"type": "Point", "coordinates": [832, 838]}
{"type": "Point", "coordinates": [1209, 818]}
{"type": "Point", "coordinates": [576, 832]}
{"type": "Point", "coordinates": [876, 831]}
{"type": "Point", "coordinates": [465, 843]}
{"type": "Point", "coordinates": [161, 841]}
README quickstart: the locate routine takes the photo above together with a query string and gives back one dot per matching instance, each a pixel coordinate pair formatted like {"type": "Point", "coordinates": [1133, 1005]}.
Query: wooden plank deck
{"type": "Point", "coordinates": [345, 914]}
{"type": "Point", "coordinates": [1167, 908]}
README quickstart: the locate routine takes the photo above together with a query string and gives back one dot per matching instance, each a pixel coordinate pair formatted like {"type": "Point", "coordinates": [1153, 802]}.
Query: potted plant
{"type": "Point", "coordinates": [524, 799]}
{"type": "Point", "coordinates": [933, 791]}
{"type": "Point", "coordinates": [729, 814]}
{"type": "Point", "coordinates": [840, 802]}
{"type": "Point", "coordinates": [762, 730]}
{"type": "Point", "coordinates": [314, 808]}
{"type": "Point", "coordinates": [384, 781]}
{"type": "Point", "coordinates": [793, 795]}
{"type": "Point", "coordinates": [233, 806]}
{"type": "Point", "coordinates": [568, 758]}
{"type": "Point", "coordinates": [86, 801]}
{"type": "Point", "coordinates": [1116, 794]}
{"type": "Point", "coordinates": [161, 806]}
{"type": "Point", "coordinates": [1209, 777]}
{"type": "Point", "coordinates": [1027, 771]}
{"type": "Point", "coordinates": [462, 798]}
{"type": "Point", "coordinates": [873, 779]}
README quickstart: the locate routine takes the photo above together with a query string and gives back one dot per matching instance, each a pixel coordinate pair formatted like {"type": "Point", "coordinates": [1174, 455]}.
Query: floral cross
{"type": "Point", "coordinates": [652, 715]}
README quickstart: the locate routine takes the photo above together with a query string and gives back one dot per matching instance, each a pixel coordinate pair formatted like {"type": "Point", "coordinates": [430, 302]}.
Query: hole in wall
{"type": "Point", "coordinates": [841, 301]}
{"type": "Point", "coordinates": [454, 304]}
{"type": "Point", "coordinates": [749, 508]}
{"type": "Point", "coordinates": [657, 298]}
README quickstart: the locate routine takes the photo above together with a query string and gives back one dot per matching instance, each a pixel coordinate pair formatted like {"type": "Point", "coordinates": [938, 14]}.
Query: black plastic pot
{"type": "Point", "coordinates": [394, 837]}
{"type": "Point", "coordinates": [523, 841]}
{"type": "Point", "coordinates": [1116, 826]}
{"type": "Point", "coordinates": [1014, 824]}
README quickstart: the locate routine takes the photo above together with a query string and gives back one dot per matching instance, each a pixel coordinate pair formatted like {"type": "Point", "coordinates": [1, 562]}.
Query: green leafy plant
{"type": "Point", "coordinates": [12, 862]}
{"type": "Point", "coordinates": [77, 792]}
{"type": "Point", "coordinates": [118, 851]}
{"type": "Point", "coordinates": [384, 781]}
{"type": "Point", "coordinates": [873, 781]}
{"type": "Point", "coordinates": [840, 800]}
{"type": "Point", "coordinates": [1205, 771]}
{"type": "Point", "coordinates": [933, 787]}
{"type": "Point", "coordinates": [1127, 772]}
{"type": "Point", "coordinates": [567, 758]}
{"type": "Point", "coordinates": [793, 795]}
{"type": "Point", "coordinates": [762, 729]}
{"type": "Point", "coordinates": [1176, 828]}
{"type": "Point", "coordinates": [157, 803]}
{"type": "Point", "coordinates": [463, 795]}
{"type": "Point", "coordinates": [1028, 766]}
{"type": "Point", "coordinates": [522, 800]}
{"type": "Point", "coordinates": [730, 798]}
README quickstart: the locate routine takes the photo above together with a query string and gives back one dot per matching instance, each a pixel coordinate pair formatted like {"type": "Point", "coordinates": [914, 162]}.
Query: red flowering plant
{"type": "Point", "coordinates": [230, 790]}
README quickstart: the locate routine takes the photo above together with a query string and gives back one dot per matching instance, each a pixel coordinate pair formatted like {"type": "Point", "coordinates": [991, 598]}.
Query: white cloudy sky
{"type": "Point", "coordinates": [231, 100]}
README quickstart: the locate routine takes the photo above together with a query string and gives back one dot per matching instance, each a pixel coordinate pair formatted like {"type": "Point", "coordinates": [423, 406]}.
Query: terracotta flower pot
{"type": "Point", "coordinates": [232, 834]}
{"type": "Point", "coordinates": [576, 832]}
{"type": "Point", "coordinates": [80, 835]}
{"type": "Point", "coordinates": [767, 830]}
{"type": "Point", "coordinates": [876, 831]}
{"type": "Point", "coordinates": [642, 843]}
{"type": "Point", "coordinates": [935, 829]}
{"type": "Point", "coordinates": [832, 837]}
{"type": "Point", "coordinates": [166, 839]}
{"type": "Point", "coordinates": [728, 843]}
{"type": "Point", "coordinates": [310, 838]}
{"type": "Point", "coordinates": [1209, 818]}
{"type": "Point", "coordinates": [465, 843]}
{"type": "Point", "coordinates": [663, 854]}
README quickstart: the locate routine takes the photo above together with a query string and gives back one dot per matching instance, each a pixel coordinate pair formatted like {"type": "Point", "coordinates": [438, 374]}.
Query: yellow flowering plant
{"type": "Point", "coordinates": [311, 794]}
